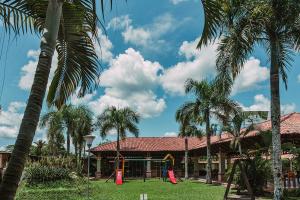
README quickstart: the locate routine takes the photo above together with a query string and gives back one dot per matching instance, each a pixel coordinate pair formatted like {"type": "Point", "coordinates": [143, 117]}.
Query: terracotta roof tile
{"type": "Point", "coordinates": [290, 124]}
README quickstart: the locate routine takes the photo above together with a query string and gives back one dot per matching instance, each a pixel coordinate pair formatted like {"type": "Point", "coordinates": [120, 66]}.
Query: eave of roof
{"type": "Point", "coordinates": [290, 124]}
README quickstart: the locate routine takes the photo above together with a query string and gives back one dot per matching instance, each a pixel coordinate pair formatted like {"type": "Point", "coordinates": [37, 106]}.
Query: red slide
{"type": "Point", "coordinates": [172, 177]}
{"type": "Point", "coordinates": [119, 180]}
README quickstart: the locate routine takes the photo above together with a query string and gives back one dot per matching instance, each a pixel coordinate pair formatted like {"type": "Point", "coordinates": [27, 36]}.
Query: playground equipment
{"type": "Point", "coordinates": [171, 175]}
{"type": "Point", "coordinates": [119, 173]}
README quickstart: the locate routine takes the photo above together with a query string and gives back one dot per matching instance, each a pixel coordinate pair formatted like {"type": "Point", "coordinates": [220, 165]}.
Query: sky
{"type": "Point", "coordinates": [147, 53]}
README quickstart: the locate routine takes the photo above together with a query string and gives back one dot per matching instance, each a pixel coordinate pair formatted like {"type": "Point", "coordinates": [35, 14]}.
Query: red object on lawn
{"type": "Point", "coordinates": [172, 177]}
{"type": "Point", "coordinates": [119, 177]}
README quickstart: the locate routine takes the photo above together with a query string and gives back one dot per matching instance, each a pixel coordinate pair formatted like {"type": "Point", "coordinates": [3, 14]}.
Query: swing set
{"type": "Point", "coordinates": [168, 162]}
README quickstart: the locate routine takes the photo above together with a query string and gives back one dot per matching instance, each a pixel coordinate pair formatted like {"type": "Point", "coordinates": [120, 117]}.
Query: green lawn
{"type": "Point", "coordinates": [130, 190]}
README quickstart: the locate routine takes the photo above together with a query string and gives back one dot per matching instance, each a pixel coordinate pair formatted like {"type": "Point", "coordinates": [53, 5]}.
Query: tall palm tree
{"type": "Point", "coordinates": [83, 126]}
{"type": "Point", "coordinates": [274, 24]}
{"type": "Point", "coordinates": [238, 128]}
{"type": "Point", "coordinates": [55, 134]}
{"type": "Point", "coordinates": [209, 102]}
{"type": "Point", "coordinates": [121, 120]}
{"type": "Point", "coordinates": [187, 129]}
{"type": "Point", "coordinates": [67, 26]}
{"type": "Point", "coordinates": [75, 121]}
{"type": "Point", "coordinates": [58, 122]}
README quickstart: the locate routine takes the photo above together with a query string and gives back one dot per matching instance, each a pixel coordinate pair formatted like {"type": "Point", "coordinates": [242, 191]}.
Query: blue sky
{"type": "Point", "coordinates": [148, 53]}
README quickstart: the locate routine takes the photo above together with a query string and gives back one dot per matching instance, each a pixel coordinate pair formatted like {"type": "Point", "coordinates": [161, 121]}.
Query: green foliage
{"type": "Point", "coordinates": [288, 194]}
{"type": "Point", "coordinates": [51, 169]}
{"type": "Point", "coordinates": [258, 171]}
{"type": "Point", "coordinates": [122, 120]}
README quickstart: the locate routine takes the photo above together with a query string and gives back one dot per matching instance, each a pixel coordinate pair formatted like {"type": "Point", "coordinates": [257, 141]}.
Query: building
{"type": "Point", "coordinates": [144, 154]}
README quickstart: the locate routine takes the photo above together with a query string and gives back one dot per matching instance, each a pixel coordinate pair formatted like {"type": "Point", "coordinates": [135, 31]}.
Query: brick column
{"type": "Point", "coordinates": [98, 172]}
{"type": "Point", "coordinates": [148, 167]}
{"type": "Point", "coordinates": [221, 173]}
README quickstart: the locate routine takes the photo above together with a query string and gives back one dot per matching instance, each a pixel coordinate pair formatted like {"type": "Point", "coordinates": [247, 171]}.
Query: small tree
{"type": "Point", "coordinates": [121, 120]}
{"type": "Point", "coordinates": [187, 129]}
{"type": "Point", "coordinates": [210, 101]}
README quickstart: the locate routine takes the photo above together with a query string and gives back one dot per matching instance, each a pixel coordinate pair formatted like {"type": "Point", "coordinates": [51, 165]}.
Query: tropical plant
{"type": "Point", "coordinates": [240, 125]}
{"type": "Point", "coordinates": [258, 172]}
{"type": "Point", "coordinates": [210, 102]}
{"type": "Point", "coordinates": [83, 126]}
{"type": "Point", "coordinates": [240, 26]}
{"type": "Point", "coordinates": [121, 120]}
{"type": "Point", "coordinates": [55, 135]}
{"type": "Point", "coordinates": [67, 26]}
{"type": "Point", "coordinates": [50, 169]}
{"type": "Point", "coordinates": [75, 121]}
{"type": "Point", "coordinates": [187, 129]}
{"type": "Point", "coordinates": [38, 147]}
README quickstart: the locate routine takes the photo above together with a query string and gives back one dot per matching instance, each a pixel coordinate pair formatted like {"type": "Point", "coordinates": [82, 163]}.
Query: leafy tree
{"type": "Point", "coordinates": [273, 24]}
{"type": "Point", "coordinates": [121, 120]}
{"type": "Point", "coordinates": [187, 129]}
{"type": "Point", "coordinates": [209, 102]}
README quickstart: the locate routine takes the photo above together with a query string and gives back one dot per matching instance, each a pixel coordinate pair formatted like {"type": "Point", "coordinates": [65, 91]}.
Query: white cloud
{"type": "Point", "coordinates": [262, 103]}
{"type": "Point", "coordinates": [148, 37]}
{"type": "Point", "coordinates": [198, 65]}
{"type": "Point", "coordinates": [10, 119]}
{"type": "Point", "coordinates": [171, 134]}
{"type": "Point", "coordinates": [75, 100]}
{"type": "Point", "coordinates": [28, 70]}
{"type": "Point", "coordinates": [251, 74]}
{"type": "Point", "coordinates": [175, 2]}
{"type": "Point", "coordinates": [130, 81]}
{"type": "Point", "coordinates": [103, 47]}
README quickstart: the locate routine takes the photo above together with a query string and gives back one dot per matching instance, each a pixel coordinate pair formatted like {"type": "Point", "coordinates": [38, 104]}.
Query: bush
{"type": "Point", "coordinates": [291, 193]}
{"type": "Point", "coordinates": [51, 169]}
{"type": "Point", "coordinates": [37, 173]}
{"type": "Point", "coordinates": [258, 171]}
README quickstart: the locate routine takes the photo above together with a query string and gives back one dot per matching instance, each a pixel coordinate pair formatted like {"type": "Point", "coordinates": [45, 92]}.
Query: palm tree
{"type": "Point", "coordinates": [210, 102]}
{"type": "Point", "coordinates": [39, 145]}
{"type": "Point", "coordinates": [74, 121]}
{"type": "Point", "coordinates": [121, 120]}
{"type": "Point", "coordinates": [275, 24]}
{"type": "Point", "coordinates": [83, 125]}
{"type": "Point", "coordinates": [238, 129]}
{"type": "Point", "coordinates": [55, 134]}
{"type": "Point", "coordinates": [67, 26]}
{"type": "Point", "coordinates": [187, 129]}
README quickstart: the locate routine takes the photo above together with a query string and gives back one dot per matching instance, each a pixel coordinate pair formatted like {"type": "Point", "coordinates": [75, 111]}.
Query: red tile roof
{"type": "Point", "coordinates": [290, 124]}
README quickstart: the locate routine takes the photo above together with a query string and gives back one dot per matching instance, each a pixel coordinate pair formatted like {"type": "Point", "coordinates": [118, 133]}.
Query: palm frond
{"type": "Point", "coordinates": [213, 16]}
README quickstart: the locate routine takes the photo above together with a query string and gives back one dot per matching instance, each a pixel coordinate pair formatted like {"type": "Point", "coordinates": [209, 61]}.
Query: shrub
{"type": "Point", "coordinates": [37, 173]}
{"type": "Point", "coordinates": [51, 169]}
{"type": "Point", "coordinates": [258, 171]}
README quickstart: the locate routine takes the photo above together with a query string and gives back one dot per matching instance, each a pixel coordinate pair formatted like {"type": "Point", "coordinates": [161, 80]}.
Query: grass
{"type": "Point", "coordinates": [131, 190]}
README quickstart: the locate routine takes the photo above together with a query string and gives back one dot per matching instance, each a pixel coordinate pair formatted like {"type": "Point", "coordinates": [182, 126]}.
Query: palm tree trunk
{"type": "Point", "coordinates": [76, 150]}
{"type": "Point", "coordinates": [186, 167]}
{"type": "Point", "coordinates": [275, 118]}
{"type": "Point", "coordinates": [68, 142]}
{"type": "Point", "coordinates": [209, 161]}
{"type": "Point", "coordinates": [240, 148]}
{"type": "Point", "coordinates": [118, 149]}
{"type": "Point", "coordinates": [84, 149]}
{"type": "Point", "coordinates": [32, 112]}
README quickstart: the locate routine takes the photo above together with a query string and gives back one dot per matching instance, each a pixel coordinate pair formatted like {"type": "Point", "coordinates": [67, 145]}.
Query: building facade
{"type": "Point", "coordinates": [144, 156]}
